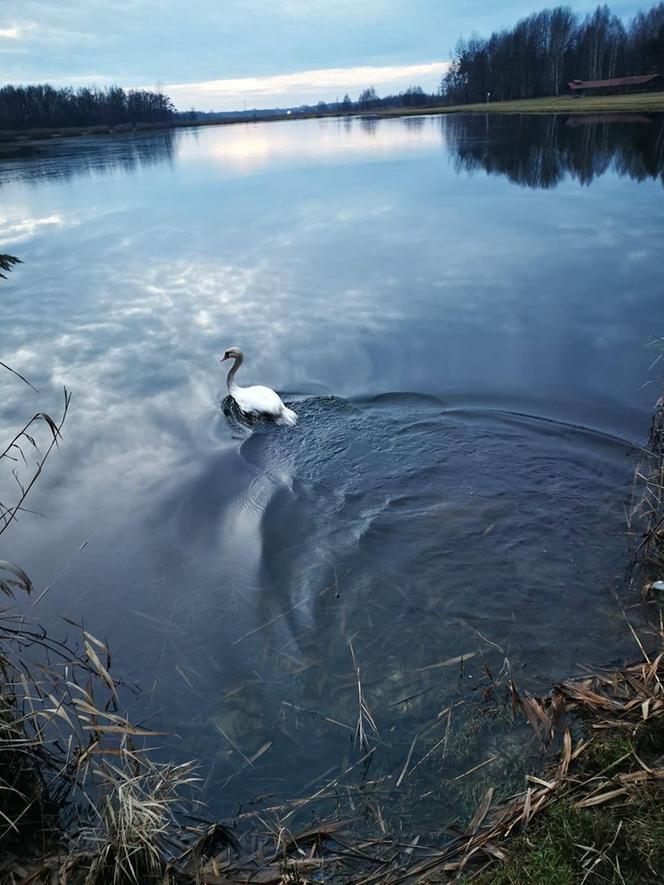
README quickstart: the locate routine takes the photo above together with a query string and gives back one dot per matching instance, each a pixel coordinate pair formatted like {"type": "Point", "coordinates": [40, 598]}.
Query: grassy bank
{"type": "Point", "coordinates": [637, 103]}
{"type": "Point", "coordinates": [603, 805]}
{"type": "Point", "coordinates": [597, 816]}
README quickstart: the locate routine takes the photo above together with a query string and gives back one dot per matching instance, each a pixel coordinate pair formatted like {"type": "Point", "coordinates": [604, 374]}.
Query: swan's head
{"type": "Point", "coordinates": [232, 353]}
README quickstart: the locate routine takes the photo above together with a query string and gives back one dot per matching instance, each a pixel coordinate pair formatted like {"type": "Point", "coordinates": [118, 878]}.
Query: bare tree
{"type": "Point", "coordinates": [42, 106]}
{"type": "Point", "coordinates": [545, 50]}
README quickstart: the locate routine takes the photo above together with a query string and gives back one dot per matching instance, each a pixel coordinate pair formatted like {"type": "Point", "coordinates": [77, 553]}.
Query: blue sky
{"type": "Point", "coordinates": [215, 54]}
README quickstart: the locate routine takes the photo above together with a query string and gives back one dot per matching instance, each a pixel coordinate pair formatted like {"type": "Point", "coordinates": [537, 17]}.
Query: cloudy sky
{"type": "Point", "coordinates": [216, 54]}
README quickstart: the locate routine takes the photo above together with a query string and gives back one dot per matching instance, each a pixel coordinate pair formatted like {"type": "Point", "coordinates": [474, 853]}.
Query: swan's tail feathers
{"type": "Point", "coordinates": [288, 416]}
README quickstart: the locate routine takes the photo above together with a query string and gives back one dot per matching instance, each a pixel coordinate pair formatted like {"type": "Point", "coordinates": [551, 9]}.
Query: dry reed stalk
{"type": "Point", "coordinates": [7, 262]}
{"type": "Point", "coordinates": [607, 698]}
{"type": "Point", "coordinates": [646, 515]}
{"type": "Point", "coordinates": [364, 718]}
{"type": "Point", "coordinates": [14, 450]}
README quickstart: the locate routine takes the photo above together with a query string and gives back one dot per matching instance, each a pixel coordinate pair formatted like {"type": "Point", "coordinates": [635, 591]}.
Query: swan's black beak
{"type": "Point", "coordinates": [224, 357]}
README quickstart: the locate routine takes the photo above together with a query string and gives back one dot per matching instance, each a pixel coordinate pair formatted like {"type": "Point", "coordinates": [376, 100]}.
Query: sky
{"type": "Point", "coordinates": [217, 54]}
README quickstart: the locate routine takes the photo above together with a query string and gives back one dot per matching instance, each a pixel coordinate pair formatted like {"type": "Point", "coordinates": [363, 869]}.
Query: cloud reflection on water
{"type": "Point", "coordinates": [273, 283]}
{"type": "Point", "coordinates": [401, 279]}
{"type": "Point", "coordinates": [135, 310]}
{"type": "Point", "coordinates": [246, 149]}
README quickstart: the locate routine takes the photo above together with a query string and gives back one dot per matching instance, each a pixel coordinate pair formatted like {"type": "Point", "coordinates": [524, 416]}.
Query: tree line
{"type": "Point", "coordinates": [369, 100]}
{"type": "Point", "coordinates": [536, 57]}
{"type": "Point", "coordinates": [544, 51]}
{"type": "Point", "coordinates": [43, 106]}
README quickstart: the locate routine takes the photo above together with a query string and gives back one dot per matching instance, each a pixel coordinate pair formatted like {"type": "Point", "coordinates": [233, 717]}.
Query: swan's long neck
{"type": "Point", "coordinates": [230, 380]}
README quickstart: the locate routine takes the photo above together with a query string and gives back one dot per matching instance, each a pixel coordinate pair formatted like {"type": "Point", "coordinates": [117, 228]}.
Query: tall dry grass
{"type": "Point", "coordinates": [646, 517]}
{"type": "Point", "coordinates": [79, 800]}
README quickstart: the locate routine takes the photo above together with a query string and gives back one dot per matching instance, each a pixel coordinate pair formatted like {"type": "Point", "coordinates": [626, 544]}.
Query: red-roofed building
{"type": "Point", "coordinates": [645, 82]}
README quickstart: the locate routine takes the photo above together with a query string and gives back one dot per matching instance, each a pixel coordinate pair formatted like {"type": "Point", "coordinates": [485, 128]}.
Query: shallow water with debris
{"type": "Point", "coordinates": [459, 311]}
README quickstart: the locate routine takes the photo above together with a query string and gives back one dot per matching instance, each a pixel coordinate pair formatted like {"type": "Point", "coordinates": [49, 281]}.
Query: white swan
{"type": "Point", "coordinates": [256, 400]}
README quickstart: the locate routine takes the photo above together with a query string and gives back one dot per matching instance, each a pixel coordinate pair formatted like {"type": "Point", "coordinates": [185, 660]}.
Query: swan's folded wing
{"type": "Point", "coordinates": [259, 399]}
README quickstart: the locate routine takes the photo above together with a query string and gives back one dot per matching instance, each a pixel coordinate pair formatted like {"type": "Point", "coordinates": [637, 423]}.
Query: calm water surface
{"type": "Point", "coordinates": [458, 309]}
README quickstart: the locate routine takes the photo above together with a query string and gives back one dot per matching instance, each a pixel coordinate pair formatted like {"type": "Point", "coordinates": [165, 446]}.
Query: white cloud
{"type": "Point", "coordinates": [21, 31]}
{"type": "Point", "coordinates": [13, 232]}
{"type": "Point", "coordinates": [77, 80]}
{"type": "Point", "coordinates": [303, 86]}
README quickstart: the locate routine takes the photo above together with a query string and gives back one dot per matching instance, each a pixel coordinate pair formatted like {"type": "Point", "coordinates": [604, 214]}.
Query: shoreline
{"type": "Point", "coordinates": [15, 144]}
{"type": "Point", "coordinates": [631, 103]}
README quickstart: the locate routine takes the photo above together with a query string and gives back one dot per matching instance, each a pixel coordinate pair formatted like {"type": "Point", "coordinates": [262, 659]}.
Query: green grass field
{"type": "Point", "coordinates": [643, 102]}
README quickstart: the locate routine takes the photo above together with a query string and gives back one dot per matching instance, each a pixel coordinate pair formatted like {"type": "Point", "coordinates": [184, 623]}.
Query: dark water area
{"type": "Point", "coordinates": [458, 308]}
{"type": "Point", "coordinates": [542, 151]}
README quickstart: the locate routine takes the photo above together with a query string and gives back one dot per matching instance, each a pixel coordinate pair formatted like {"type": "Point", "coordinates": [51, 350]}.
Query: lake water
{"type": "Point", "coordinates": [459, 310]}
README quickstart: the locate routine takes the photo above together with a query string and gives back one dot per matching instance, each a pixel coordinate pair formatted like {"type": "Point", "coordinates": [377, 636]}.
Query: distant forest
{"type": "Point", "coordinates": [43, 106]}
{"type": "Point", "coordinates": [537, 57]}
{"type": "Point", "coordinates": [369, 100]}
{"type": "Point", "coordinates": [544, 51]}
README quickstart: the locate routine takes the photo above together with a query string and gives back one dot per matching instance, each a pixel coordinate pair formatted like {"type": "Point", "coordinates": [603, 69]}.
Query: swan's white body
{"type": "Point", "coordinates": [259, 400]}
{"type": "Point", "coordinates": [256, 400]}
